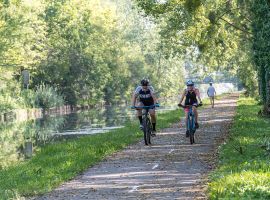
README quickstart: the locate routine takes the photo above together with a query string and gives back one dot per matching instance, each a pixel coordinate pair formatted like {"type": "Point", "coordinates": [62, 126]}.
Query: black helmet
{"type": "Point", "coordinates": [144, 82]}
{"type": "Point", "coordinates": [190, 83]}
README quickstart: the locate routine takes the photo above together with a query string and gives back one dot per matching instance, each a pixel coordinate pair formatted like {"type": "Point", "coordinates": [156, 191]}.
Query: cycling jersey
{"type": "Point", "coordinates": [191, 96]}
{"type": "Point", "coordinates": [145, 96]}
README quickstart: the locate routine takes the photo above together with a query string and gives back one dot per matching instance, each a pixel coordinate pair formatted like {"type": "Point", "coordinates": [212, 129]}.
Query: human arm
{"type": "Point", "coordinates": [198, 95]}
{"type": "Point", "coordinates": [135, 96]}
{"type": "Point", "coordinates": [155, 98]}
{"type": "Point", "coordinates": [182, 97]}
{"type": "Point", "coordinates": [153, 94]}
{"type": "Point", "coordinates": [133, 100]}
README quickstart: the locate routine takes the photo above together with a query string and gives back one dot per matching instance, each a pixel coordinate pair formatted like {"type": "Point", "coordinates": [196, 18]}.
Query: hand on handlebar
{"type": "Point", "coordinates": [180, 105]}
{"type": "Point", "coordinates": [133, 107]}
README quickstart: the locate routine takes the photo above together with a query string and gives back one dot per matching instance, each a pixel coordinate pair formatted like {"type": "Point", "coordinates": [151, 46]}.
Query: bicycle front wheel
{"type": "Point", "coordinates": [146, 131]}
{"type": "Point", "coordinates": [191, 137]}
{"type": "Point", "coordinates": [191, 129]}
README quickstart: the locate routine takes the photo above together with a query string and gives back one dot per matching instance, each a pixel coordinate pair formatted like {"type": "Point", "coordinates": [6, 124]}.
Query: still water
{"type": "Point", "coordinates": [19, 139]}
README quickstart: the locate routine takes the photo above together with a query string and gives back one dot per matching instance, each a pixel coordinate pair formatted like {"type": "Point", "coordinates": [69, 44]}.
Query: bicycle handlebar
{"type": "Point", "coordinates": [188, 106]}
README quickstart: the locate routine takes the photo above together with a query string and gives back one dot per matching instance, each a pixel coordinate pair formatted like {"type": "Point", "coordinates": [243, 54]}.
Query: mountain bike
{"type": "Point", "coordinates": [146, 122]}
{"type": "Point", "coordinates": [191, 128]}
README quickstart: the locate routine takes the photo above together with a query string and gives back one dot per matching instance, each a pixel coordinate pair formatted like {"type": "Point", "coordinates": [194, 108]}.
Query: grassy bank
{"type": "Point", "coordinates": [58, 162]}
{"type": "Point", "coordinates": [244, 161]}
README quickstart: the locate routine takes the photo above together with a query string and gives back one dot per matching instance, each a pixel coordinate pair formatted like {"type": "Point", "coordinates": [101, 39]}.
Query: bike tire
{"type": "Point", "coordinates": [145, 131]}
{"type": "Point", "coordinates": [191, 137]}
{"type": "Point", "coordinates": [191, 131]}
{"type": "Point", "coordinates": [149, 131]}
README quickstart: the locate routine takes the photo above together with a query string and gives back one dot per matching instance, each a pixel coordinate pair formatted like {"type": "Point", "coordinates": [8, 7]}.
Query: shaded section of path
{"type": "Point", "coordinates": [169, 169]}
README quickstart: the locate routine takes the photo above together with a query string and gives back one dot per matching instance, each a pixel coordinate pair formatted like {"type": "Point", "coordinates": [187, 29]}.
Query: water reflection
{"type": "Point", "coordinates": [19, 139]}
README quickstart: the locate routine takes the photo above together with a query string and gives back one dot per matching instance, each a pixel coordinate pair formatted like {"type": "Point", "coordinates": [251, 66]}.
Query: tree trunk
{"type": "Point", "coordinates": [262, 83]}
{"type": "Point", "coordinates": [267, 91]}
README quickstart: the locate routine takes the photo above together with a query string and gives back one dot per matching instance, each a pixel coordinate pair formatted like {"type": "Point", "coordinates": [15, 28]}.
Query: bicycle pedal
{"type": "Point", "coordinates": [153, 134]}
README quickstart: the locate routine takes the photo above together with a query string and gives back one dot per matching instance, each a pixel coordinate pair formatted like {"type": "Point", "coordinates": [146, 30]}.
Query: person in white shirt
{"type": "Point", "coordinates": [146, 96]}
{"type": "Point", "coordinates": [211, 92]}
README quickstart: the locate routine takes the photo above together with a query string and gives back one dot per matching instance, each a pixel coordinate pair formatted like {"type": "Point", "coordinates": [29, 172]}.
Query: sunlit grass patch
{"type": "Point", "coordinates": [244, 160]}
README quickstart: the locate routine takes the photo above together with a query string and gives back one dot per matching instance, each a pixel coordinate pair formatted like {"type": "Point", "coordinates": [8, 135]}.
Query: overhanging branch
{"type": "Point", "coordinates": [236, 27]}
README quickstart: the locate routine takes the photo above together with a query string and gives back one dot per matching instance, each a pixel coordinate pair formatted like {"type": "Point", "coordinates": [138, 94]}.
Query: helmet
{"type": "Point", "coordinates": [190, 83]}
{"type": "Point", "coordinates": [144, 82]}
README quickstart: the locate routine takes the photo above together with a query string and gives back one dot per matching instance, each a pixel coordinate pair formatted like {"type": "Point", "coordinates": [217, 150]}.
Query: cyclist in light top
{"type": "Point", "coordinates": [191, 95]}
{"type": "Point", "coordinates": [146, 97]}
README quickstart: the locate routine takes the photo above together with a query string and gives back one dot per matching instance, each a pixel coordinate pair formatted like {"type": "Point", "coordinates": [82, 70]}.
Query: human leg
{"type": "Point", "coordinates": [153, 119]}
{"type": "Point", "coordinates": [196, 116]}
{"type": "Point", "coordinates": [186, 121]}
{"type": "Point", "coordinates": [139, 114]}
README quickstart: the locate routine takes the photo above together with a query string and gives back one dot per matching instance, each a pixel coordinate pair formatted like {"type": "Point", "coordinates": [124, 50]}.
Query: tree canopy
{"type": "Point", "coordinates": [222, 34]}
{"type": "Point", "coordinates": [89, 51]}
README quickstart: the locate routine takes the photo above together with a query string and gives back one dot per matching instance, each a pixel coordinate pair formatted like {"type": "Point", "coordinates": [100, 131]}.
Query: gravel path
{"type": "Point", "coordinates": [169, 169]}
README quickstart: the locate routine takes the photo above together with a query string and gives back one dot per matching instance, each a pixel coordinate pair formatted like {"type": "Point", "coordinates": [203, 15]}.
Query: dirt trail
{"type": "Point", "coordinates": [169, 169]}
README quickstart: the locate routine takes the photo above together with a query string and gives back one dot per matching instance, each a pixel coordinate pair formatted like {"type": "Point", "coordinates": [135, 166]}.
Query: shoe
{"type": "Point", "coordinates": [196, 125]}
{"type": "Point", "coordinates": [187, 133]}
{"type": "Point", "coordinates": [153, 134]}
{"type": "Point", "coordinates": [141, 126]}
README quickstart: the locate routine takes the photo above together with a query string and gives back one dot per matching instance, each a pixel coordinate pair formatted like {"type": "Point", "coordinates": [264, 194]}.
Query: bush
{"type": "Point", "coordinates": [9, 97]}
{"type": "Point", "coordinates": [47, 97]}
{"type": "Point", "coordinates": [43, 97]}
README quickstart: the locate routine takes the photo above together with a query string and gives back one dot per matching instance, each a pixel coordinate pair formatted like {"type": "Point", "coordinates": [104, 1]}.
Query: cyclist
{"type": "Point", "coordinates": [146, 97]}
{"type": "Point", "coordinates": [191, 95]}
{"type": "Point", "coordinates": [211, 92]}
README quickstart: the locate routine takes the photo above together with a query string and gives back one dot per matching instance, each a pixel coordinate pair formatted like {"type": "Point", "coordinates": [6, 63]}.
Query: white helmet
{"type": "Point", "coordinates": [190, 83]}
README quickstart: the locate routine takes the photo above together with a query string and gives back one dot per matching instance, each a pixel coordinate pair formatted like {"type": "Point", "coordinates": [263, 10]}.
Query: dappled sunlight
{"type": "Point", "coordinates": [217, 120]}
{"type": "Point", "coordinates": [168, 181]}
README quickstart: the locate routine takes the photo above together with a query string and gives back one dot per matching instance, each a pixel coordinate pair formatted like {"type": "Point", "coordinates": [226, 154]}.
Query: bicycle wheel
{"type": "Point", "coordinates": [149, 131]}
{"type": "Point", "coordinates": [191, 137]}
{"type": "Point", "coordinates": [146, 131]}
{"type": "Point", "coordinates": [191, 132]}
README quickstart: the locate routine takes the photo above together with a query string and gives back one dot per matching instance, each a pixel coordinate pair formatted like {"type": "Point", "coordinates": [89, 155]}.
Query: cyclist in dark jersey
{"type": "Point", "coordinates": [191, 95]}
{"type": "Point", "coordinates": [146, 97]}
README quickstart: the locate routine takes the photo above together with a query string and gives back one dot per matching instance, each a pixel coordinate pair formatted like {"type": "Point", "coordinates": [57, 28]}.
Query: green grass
{"type": "Point", "coordinates": [61, 161]}
{"type": "Point", "coordinates": [244, 161]}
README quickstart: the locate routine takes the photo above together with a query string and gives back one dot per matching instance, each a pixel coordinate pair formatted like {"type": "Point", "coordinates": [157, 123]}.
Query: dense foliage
{"type": "Point", "coordinates": [231, 35]}
{"type": "Point", "coordinates": [89, 51]}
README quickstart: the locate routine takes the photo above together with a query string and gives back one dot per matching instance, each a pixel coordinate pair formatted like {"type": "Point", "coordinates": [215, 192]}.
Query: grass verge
{"type": "Point", "coordinates": [244, 161]}
{"type": "Point", "coordinates": [63, 160]}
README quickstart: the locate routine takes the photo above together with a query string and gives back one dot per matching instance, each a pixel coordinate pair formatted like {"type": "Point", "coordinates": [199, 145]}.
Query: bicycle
{"type": "Point", "coordinates": [191, 128]}
{"type": "Point", "coordinates": [146, 122]}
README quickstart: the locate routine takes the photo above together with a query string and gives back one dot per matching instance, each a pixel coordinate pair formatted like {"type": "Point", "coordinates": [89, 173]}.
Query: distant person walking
{"type": "Point", "coordinates": [25, 78]}
{"type": "Point", "coordinates": [211, 92]}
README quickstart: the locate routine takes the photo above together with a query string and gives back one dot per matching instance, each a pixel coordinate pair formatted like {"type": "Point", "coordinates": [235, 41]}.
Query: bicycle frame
{"type": "Point", "coordinates": [191, 121]}
{"type": "Point", "coordinates": [191, 128]}
{"type": "Point", "coordinates": [147, 125]}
